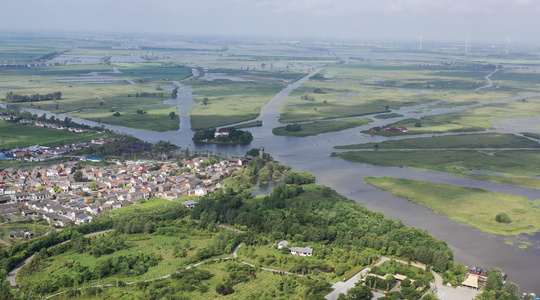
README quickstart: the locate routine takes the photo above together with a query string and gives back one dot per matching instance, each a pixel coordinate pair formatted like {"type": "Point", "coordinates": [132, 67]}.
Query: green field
{"type": "Point", "coordinates": [16, 135]}
{"type": "Point", "coordinates": [359, 89]}
{"type": "Point", "coordinates": [163, 245]}
{"type": "Point", "coordinates": [475, 207]}
{"type": "Point", "coordinates": [507, 163]}
{"type": "Point", "coordinates": [467, 141]}
{"type": "Point", "coordinates": [156, 117]}
{"type": "Point", "coordinates": [320, 127]}
{"type": "Point", "coordinates": [229, 102]}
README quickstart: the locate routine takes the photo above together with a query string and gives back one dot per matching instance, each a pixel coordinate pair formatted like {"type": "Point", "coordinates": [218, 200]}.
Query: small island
{"type": "Point", "coordinates": [229, 135]}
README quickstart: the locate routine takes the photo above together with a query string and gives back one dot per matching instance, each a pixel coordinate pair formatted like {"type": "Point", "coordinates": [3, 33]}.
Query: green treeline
{"type": "Point", "coordinates": [149, 95]}
{"type": "Point", "coordinates": [16, 98]}
{"type": "Point", "coordinates": [292, 214]}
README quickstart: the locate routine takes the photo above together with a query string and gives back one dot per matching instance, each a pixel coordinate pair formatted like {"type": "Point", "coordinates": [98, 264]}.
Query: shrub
{"type": "Point", "coordinates": [503, 218]}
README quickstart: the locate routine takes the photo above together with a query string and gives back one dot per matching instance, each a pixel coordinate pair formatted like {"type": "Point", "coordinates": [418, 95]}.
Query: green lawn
{"type": "Point", "coordinates": [475, 207]}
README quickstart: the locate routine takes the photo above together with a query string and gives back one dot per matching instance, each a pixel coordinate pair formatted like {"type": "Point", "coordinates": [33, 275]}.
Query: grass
{"type": "Point", "coordinates": [470, 141]}
{"type": "Point", "coordinates": [430, 126]}
{"type": "Point", "coordinates": [162, 245]}
{"type": "Point", "coordinates": [16, 135]}
{"type": "Point", "coordinates": [516, 164]}
{"type": "Point", "coordinates": [150, 203]}
{"type": "Point", "coordinates": [321, 127]}
{"type": "Point", "coordinates": [371, 88]}
{"type": "Point", "coordinates": [388, 116]}
{"type": "Point", "coordinates": [156, 117]}
{"type": "Point", "coordinates": [151, 72]}
{"type": "Point", "coordinates": [475, 207]}
{"type": "Point", "coordinates": [249, 125]}
{"type": "Point", "coordinates": [229, 102]}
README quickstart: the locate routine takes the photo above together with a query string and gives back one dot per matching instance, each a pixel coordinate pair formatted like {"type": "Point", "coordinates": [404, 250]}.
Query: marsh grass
{"type": "Point", "coordinates": [320, 127]}
{"type": "Point", "coordinates": [476, 207]}
{"type": "Point", "coordinates": [470, 141]}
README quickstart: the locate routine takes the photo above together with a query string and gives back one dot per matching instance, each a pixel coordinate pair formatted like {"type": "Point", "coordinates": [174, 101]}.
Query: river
{"type": "Point", "coordinates": [471, 246]}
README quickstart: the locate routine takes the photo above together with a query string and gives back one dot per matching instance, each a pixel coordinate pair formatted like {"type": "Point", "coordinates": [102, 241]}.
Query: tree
{"type": "Point", "coordinates": [494, 280]}
{"type": "Point", "coordinates": [93, 186]}
{"type": "Point", "coordinates": [205, 101]}
{"type": "Point", "coordinates": [512, 289]}
{"type": "Point", "coordinates": [78, 176]}
{"type": "Point", "coordinates": [360, 292]}
{"type": "Point", "coordinates": [172, 114]}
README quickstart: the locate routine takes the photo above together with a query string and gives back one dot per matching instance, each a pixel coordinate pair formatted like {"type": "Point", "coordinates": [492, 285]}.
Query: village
{"type": "Point", "coordinates": [65, 193]}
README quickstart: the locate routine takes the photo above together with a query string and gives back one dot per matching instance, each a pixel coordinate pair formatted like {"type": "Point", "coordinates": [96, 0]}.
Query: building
{"type": "Point", "coordinates": [301, 251]}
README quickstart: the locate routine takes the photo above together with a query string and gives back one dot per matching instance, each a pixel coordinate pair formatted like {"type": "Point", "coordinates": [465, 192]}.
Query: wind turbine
{"type": "Point", "coordinates": [466, 44]}
{"type": "Point", "coordinates": [420, 43]}
{"type": "Point", "coordinates": [507, 44]}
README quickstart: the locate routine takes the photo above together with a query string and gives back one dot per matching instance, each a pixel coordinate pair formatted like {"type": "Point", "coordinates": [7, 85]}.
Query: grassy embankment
{"type": "Point", "coordinates": [388, 116]}
{"type": "Point", "coordinates": [319, 127]}
{"type": "Point", "coordinates": [475, 207]}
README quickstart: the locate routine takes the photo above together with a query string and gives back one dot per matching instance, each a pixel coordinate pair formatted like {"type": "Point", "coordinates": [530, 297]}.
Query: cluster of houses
{"type": "Point", "coordinates": [53, 194]}
{"type": "Point", "coordinates": [56, 126]}
{"type": "Point", "coordinates": [391, 129]}
{"type": "Point", "coordinates": [42, 153]}
{"type": "Point", "coordinates": [44, 124]}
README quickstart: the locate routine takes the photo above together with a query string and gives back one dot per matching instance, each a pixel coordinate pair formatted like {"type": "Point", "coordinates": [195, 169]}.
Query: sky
{"type": "Point", "coordinates": [492, 21]}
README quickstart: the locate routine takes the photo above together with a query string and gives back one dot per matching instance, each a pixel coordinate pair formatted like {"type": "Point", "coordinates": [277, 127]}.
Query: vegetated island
{"type": "Point", "coordinates": [229, 135]}
{"type": "Point", "coordinates": [318, 127]}
{"type": "Point", "coordinates": [488, 211]}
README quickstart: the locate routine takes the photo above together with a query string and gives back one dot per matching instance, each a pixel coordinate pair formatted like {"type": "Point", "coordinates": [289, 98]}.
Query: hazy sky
{"type": "Point", "coordinates": [481, 20]}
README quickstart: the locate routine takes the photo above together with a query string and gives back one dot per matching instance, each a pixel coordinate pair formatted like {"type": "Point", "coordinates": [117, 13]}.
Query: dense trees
{"type": "Point", "coordinates": [290, 213]}
{"type": "Point", "coordinates": [495, 289]}
{"type": "Point", "coordinates": [234, 136]}
{"type": "Point", "coordinates": [14, 98]}
{"type": "Point", "coordinates": [293, 127]}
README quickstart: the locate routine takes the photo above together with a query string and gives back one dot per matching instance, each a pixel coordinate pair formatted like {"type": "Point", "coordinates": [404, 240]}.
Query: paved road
{"type": "Point", "coordinates": [344, 287]}
{"type": "Point", "coordinates": [451, 293]}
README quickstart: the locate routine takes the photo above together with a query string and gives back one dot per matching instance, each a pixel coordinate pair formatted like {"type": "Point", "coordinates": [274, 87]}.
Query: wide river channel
{"type": "Point", "coordinates": [471, 246]}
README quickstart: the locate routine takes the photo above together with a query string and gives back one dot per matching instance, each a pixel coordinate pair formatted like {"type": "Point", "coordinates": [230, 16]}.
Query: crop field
{"type": "Point", "coordinates": [476, 207]}
{"type": "Point", "coordinates": [320, 127]}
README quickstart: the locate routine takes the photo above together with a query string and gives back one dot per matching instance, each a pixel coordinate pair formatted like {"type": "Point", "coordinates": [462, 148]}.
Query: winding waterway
{"type": "Point", "coordinates": [471, 246]}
